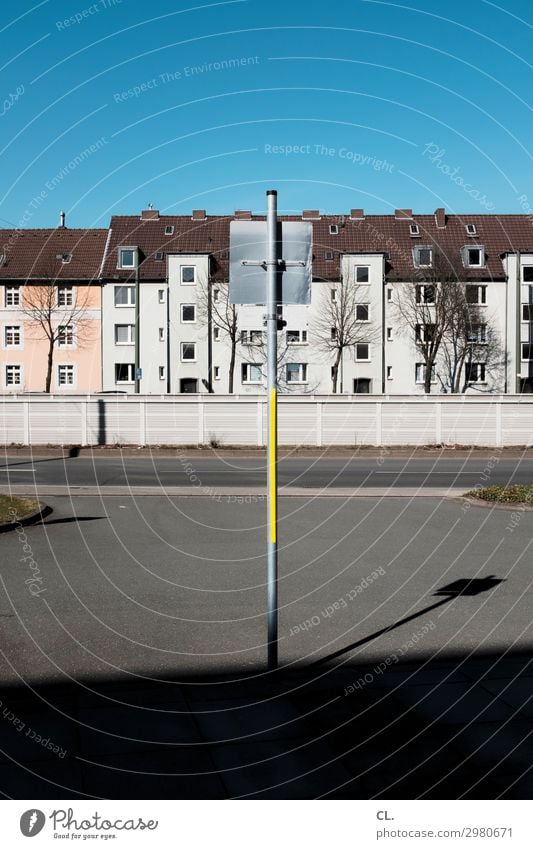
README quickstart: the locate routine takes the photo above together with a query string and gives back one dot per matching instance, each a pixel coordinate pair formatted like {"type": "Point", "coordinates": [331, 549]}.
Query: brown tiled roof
{"type": "Point", "coordinates": [33, 254]}
{"type": "Point", "coordinates": [372, 233]}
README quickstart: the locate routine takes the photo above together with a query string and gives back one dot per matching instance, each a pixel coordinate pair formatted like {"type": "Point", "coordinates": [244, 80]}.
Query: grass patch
{"type": "Point", "coordinates": [22, 506]}
{"type": "Point", "coordinates": [516, 493]}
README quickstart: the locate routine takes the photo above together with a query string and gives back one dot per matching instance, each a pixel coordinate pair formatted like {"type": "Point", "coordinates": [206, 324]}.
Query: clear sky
{"type": "Point", "coordinates": [107, 106]}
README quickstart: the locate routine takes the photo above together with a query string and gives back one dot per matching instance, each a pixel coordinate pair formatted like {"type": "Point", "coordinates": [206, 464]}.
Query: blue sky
{"type": "Point", "coordinates": [107, 106]}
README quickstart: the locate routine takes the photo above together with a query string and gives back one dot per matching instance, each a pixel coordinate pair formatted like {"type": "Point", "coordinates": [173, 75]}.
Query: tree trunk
{"type": "Point", "coordinates": [49, 365]}
{"type": "Point", "coordinates": [427, 378]}
{"type": "Point", "coordinates": [335, 374]}
{"type": "Point", "coordinates": [231, 367]}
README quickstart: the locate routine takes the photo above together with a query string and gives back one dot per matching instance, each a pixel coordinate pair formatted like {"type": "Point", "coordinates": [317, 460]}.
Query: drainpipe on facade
{"type": "Point", "coordinates": [209, 335]}
{"type": "Point", "coordinates": [137, 324]}
{"type": "Point", "coordinates": [168, 333]}
{"type": "Point", "coordinates": [518, 346]}
{"type": "Point", "coordinates": [506, 352]}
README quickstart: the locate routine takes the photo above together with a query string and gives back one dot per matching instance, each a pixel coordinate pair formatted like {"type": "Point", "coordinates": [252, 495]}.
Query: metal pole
{"type": "Point", "coordinates": [272, 438]}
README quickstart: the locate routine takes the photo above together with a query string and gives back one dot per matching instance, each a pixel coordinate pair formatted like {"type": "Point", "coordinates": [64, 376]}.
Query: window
{"type": "Point", "coordinates": [414, 230]}
{"type": "Point", "coordinates": [188, 313]}
{"type": "Point", "coordinates": [12, 337]}
{"type": "Point", "coordinates": [423, 256]}
{"type": "Point", "coordinates": [12, 296]}
{"type": "Point", "coordinates": [471, 229]}
{"type": "Point", "coordinates": [159, 256]}
{"type": "Point", "coordinates": [124, 372]}
{"type": "Point", "coordinates": [13, 375]}
{"type": "Point", "coordinates": [328, 254]}
{"type": "Point", "coordinates": [362, 312]}
{"type": "Point", "coordinates": [527, 312]}
{"type": "Point", "coordinates": [333, 294]}
{"type": "Point", "coordinates": [389, 334]}
{"type": "Point", "coordinates": [251, 337]}
{"type": "Point", "coordinates": [188, 274]}
{"type": "Point", "coordinates": [188, 352]}
{"type": "Point", "coordinates": [216, 334]}
{"type": "Point", "coordinates": [251, 373]}
{"type": "Point", "coordinates": [333, 229]}
{"type": "Point", "coordinates": [477, 333]}
{"type": "Point", "coordinates": [65, 336]}
{"type": "Point", "coordinates": [127, 257]}
{"type": "Point", "coordinates": [160, 296]}
{"type": "Point", "coordinates": [216, 372]}
{"type": "Point", "coordinates": [527, 274]}
{"type": "Point", "coordinates": [124, 296]}
{"type": "Point", "coordinates": [424, 332]}
{"type": "Point", "coordinates": [65, 296]}
{"type": "Point", "coordinates": [362, 351]}
{"type": "Point", "coordinates": [296, 372]}
{"type": "Point", "coordinates": [361, 385]}
{"type": "Point", "coordinates": [124, 334]}
{"type": "Point", "coordinates": [65, 258]}
{"type": "Point", "coordinates": [333, 333]}
{"type": "Point", "coordinates": [473, 257]}
{"type": "Point", "coordinates": [362, 274]}
{"type": "Point", "coordinates": [527, 351]}
{"type": "Point", "coordinates": [161, 372]}
{"type": "Point", "coordinates": [476, 295]}
{"type": "Point", "coordinates": [162, 334]}
{"type": "Point", "coordinates": [420, 373]}
{"type": "Point", "coordinates": [65, 375]}
{"type": "Point", "coordinates": [296, 337]}
{"type": "Point", "coordinates": [389, 372]}
{"type": "Point", "coordinates": [475, 372]}
{"type": "Point", "coordinates": [169, 230]}
{"type": "Point", "coordinates": [216, 295]}
{"type": "Point", "coordinates": [389, 294]}
{"type": "Point", "coordinates": [425, 294]}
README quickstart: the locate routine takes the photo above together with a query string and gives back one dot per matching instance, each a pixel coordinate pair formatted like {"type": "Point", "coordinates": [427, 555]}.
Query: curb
{"type": "Point", "coordinates": [519, 506]}
{"type": "Point", "coordinates": [29, 519]}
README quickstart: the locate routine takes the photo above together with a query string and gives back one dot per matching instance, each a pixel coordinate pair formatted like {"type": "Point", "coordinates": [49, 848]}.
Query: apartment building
{"type": "Point", "coordinates": [50, 310]}
{"type": "Point", "coordinates": [159, 299]}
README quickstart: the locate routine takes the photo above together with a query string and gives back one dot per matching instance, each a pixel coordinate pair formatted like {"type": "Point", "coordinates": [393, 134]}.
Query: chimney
{"type": "Point", "coordinates": [150, 214]}
{"type": "Point", "coordinates": [198, 215]}
{"type": "Point", "coordinates": [243, 214]}
{"type": "Point", "coordinates": [357, 213]}
{"type": "Point", "coordinates": [440, 217]}
{"type": "Point", "coordinates": [403, 213]}
{"type": "Point", "coordinates": [61, 219]}
{"type": "Point", "coordinates": [311, 213]}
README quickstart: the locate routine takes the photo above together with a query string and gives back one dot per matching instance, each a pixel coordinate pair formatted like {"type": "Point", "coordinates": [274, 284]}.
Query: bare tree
{"type": "Point", "coordinates": [221, 316]}
{"type": "Point", "coordinates": [426, 308]}
{"type": "Point", "coordinates": [56, 311]}
{"type": "Point", "coordinates": [342, 322]}
{"type": "Point", "coordinates": [254, 343]}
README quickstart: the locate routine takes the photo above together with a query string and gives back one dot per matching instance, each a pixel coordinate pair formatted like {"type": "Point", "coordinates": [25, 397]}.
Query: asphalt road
{"type": "Point", "coordinates": [159, 584]}
{"type": "Point", "coordinates": [308, 472]}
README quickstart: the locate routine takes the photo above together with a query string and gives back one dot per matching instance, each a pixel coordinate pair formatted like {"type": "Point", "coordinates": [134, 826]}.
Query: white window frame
{"type": "Point", "coordinates": [216, 372]}
{"type": "Point", "coordinates": [471, 230]}
{"type": "Point", "coordinates": [69, 335]}
{"type": "Point", "coordinates": [65, 293]}
{"type": "Point", "coordinates": [187, 320]}
{"type": "Point", "coordinates": [421, 378]}
{"type": "Point", "coordinates": [414, 230]}
{"type": "Point", "coordinates": [333, 229]}
{"type": "Point", "coordinates": [12, 292]}
{"type": "Point", "coordinates": [131, 374]}
{"type": "Point", "coordinates": [333, 294]}
{"type": "Point", "coordinates": [17, 366]}
{"type": "Point", "coordinates": [302, 373]}
{"type": "Point", "coordinates": [358, 268]}
{"type": "Point", "coordinates": [161, 296]}
{"type": "Point", "coordinates": [245, 372]}
{"type": "Point", "coordinates": [527, 313]}
{"type": "Point", "coordinates": [169, 229]}
{"type": "Point", "coordinates": [525, 345]}
{"type": "Point", "coordinates": [69, 369]}
{"type": "Point", "coordinates": [420, 293]}
{"type": "Point", "coordinates": [363, 320]}
{"type": "Point", "coordinates": [18, 330]}
{"type": "Point", "coordinates": [162, 374]}
{"type": "Point", "coordinates": [162, 334]}
{"type": "Point", "coordinates": [131, 296]}
{"type": "Point", "coordinates": [301, 340]}
{"type": "Point", "coordinates": [120, 261]}
{"type": "Point", "coordinates": [416, 256]}
{"type": "Point", "coordinates": [187, 282]}
{"type": "Point", "coordinates": [528, 268]}
{"type": "Point", "coordinates": [249, 337]}
{"type": "Point", "coordinates": [481, 370]}
{"type": "Point", "coordinates": [367, 359]}
{"type": "Point", "coordinates": [216, 333]}
{"type": "Point", "coordinates": [466, 256]}
{"type": "Point", "coordinates": [130, 334]}
{"type": "Point", "coordinates": [478, 338]}
{"type": "Point", "coordinates": [188, 359]}
{"type": "Point", "coordinates": [481, 292]}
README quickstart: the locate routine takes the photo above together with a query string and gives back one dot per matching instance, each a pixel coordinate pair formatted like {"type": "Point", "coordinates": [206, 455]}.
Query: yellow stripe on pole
{"type": "Point", "coordinates": [272, 465]}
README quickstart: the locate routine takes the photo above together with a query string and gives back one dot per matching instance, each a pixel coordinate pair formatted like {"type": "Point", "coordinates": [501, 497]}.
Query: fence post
{"type": "Point", "coordinates": [498, 422]}
{"type": "Point", "coordinates": [142, 423]}
{"type": "Point", "coordinates": [438, 423]}
{"type": "Point", "coordinates": [379, 412]}
{"type": "Point", "coordinates": [201, 438]}
{"type": "Point", "coordinates": [319, 411]}
{"type": "Point", "coordinates": [84, 403]}
{"type": "Point", "coordinates": [259, 423]}
{"type": "Point", "coordinates": [26, 422]}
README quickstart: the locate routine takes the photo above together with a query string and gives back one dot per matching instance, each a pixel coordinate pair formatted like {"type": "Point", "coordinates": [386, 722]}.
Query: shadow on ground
{"type": "Point", "coordinates": [450, 727]}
